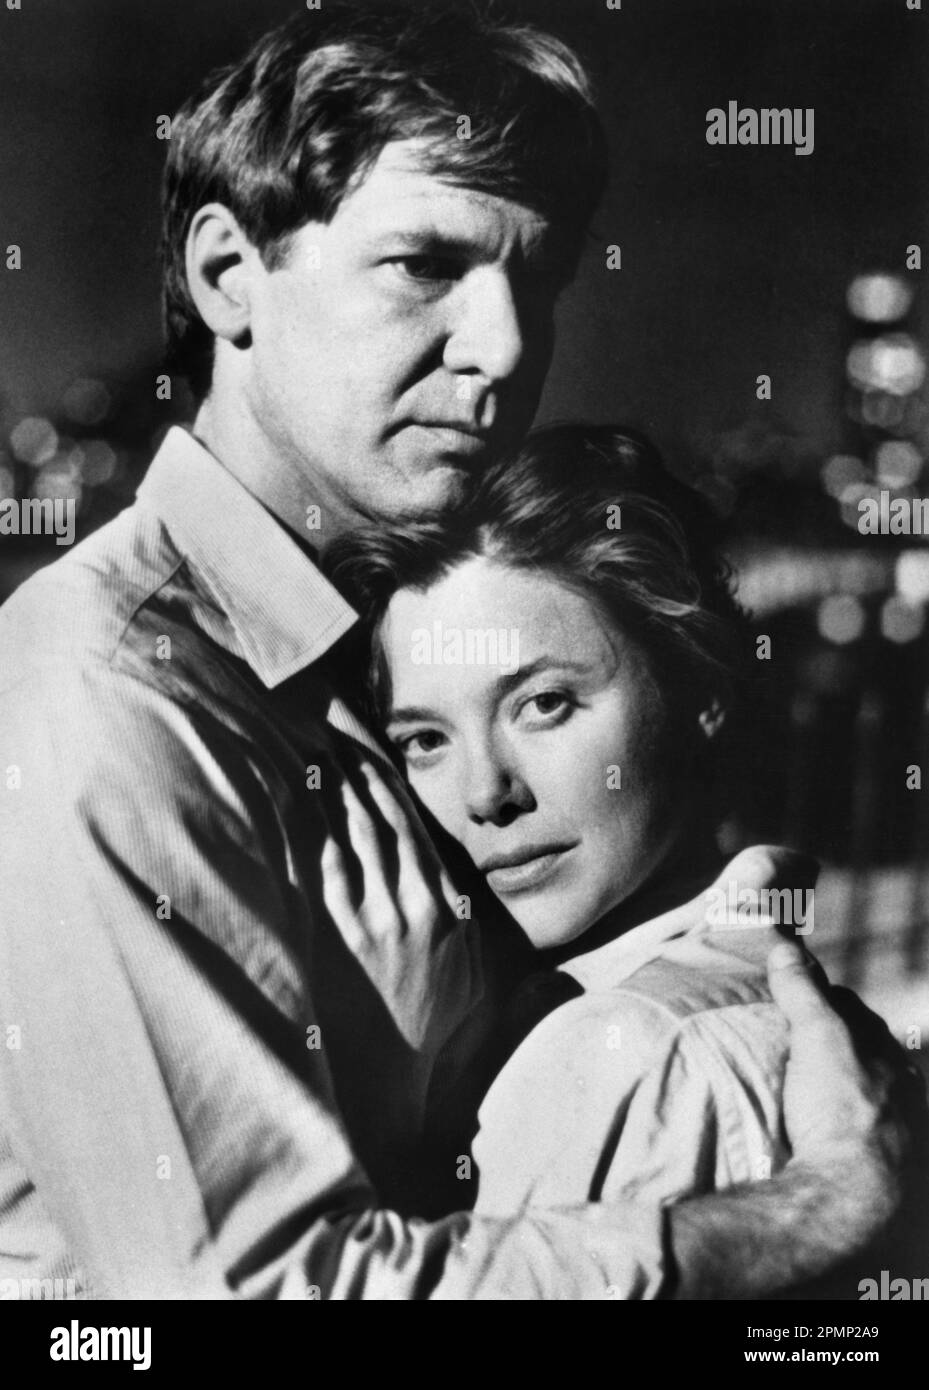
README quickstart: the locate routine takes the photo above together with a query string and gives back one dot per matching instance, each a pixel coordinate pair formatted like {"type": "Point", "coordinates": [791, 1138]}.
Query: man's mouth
{"type": "Point", "coordinates": [529, 867]}
{"type": "Point", "coordinates": [455, 438]}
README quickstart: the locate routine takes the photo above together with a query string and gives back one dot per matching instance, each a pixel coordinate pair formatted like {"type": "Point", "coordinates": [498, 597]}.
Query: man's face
{"type": "Point", "coordinates": [405, 343]}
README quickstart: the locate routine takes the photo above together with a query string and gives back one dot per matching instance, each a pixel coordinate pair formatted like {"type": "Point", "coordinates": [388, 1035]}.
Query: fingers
{"type": "Point", "coordinates": [420, 866]}
{"type": "Point", "coordinates": [798, 990]}
{"type": "Point", "coordinates": [337, 895]}
{"type": "Point", "coordinates": [792, 986]}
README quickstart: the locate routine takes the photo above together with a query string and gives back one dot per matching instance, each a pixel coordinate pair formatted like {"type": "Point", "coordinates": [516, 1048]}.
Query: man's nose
{"type": "Point", "coordinates": [495, 791]}
{"type": "Point", "coordinates": [486, 334]}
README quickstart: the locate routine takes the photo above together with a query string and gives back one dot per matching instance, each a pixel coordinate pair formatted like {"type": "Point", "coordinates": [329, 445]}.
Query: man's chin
{"type": "Point", "coordinates": [445, 483]}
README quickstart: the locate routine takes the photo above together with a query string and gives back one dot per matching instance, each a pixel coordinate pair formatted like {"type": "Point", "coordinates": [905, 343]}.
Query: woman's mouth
{"type": "Point", "coordinates": [526, 869]}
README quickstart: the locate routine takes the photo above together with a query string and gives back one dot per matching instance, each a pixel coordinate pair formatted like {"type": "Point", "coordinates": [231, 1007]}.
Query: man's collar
{"type": "Point", "coordinates": [285, 614]}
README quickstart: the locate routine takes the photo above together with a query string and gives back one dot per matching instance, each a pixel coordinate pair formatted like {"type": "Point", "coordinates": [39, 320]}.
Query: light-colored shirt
{"type": "Point", "coordinates": [200, 1093]}
{"type": "Point", "coordinates": [662, 1079]}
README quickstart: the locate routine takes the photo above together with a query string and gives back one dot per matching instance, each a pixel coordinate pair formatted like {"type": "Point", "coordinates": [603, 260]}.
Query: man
{"type": "Point", "coordinates": [206, 1090]}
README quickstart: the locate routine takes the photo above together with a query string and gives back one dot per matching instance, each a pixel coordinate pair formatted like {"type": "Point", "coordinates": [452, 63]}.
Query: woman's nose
{"type": "Point", "coordinates": [495, 790]}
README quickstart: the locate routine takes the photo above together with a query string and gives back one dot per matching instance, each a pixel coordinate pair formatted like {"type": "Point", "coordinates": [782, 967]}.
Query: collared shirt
{"type": "Point", "coordinates": [202, 1094]}
{"type": "Point", "coordinates": [662, 1079]}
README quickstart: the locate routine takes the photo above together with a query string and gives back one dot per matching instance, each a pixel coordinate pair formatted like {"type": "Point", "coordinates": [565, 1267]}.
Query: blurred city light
{"type": "Point", "coordinates": [34, 440]}
{"type": "Point", "coordinates": [849, 498]}
{"type": "Point", "coordinates": [840, 471]}
{"type": "Point", "coordinates": [57, 487]}
{"type": "Point", "coordinates": [97, 463]}
{"type": "Point", "coordinates": [86, 401]}
{"type": "Point", "coordinates": [912, 577]}
{"type": "Point", "coordinates": [840, 618]}
{"type": "Point", "coordinates": [892, 362]}
{"type": "Point", "coordinates": [879, 298]}
{"type": "Point", "coordinates": [882, 410]}
{"type": "Point", "coordinates": [900, 621]}
{"type": "Point", "coordinates": [897, 462]}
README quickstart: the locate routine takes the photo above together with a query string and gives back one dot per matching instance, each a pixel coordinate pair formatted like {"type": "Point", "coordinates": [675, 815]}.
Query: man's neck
{"type": "Point", "coordinates": [310, 510]}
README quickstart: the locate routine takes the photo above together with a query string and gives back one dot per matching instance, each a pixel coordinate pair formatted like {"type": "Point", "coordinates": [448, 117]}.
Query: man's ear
{"type": "Point", "coordinates": [219, 262]}
{"type": "Point", "coordinates": [712, 719]}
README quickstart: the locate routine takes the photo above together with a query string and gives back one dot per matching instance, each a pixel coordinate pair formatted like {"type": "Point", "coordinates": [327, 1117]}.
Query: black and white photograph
{"type": "Point", "coordinates": [464, 662]}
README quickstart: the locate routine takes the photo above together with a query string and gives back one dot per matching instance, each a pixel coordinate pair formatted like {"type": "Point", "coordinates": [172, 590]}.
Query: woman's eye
{"type": "Point", "coordinates": [422, 744]}
{"type": "Point", "coordinates": [548, 704]}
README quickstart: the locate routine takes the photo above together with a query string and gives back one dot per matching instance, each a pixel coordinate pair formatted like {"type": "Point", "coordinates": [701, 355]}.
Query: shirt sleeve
{"type": "Point", "coordinates": [167, 1097]}
{"type": "Point", "coordinates": [615, 1098]}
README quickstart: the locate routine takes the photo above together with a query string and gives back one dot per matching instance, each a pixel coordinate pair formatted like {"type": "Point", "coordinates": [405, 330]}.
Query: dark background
{"type": "Point", "coordinates": [735, 262]}
{"type": "Point", "coordinates": [735, 259]}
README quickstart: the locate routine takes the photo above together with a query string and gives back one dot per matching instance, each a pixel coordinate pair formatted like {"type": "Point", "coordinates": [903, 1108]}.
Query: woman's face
{"type": "Point", "coordinates": [533, 731]}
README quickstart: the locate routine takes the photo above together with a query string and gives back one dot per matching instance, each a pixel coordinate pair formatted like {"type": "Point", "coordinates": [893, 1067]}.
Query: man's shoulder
{"type": "Point", "coordinates": [83, 606]}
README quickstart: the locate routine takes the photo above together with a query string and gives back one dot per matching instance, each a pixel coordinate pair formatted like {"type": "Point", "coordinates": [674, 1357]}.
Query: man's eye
{"type": "Point", "coordinates": [428, 269]}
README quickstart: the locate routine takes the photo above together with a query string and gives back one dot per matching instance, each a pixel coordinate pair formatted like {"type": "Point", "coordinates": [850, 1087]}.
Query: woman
{"type": "Point", "coordinates": [554, 663]}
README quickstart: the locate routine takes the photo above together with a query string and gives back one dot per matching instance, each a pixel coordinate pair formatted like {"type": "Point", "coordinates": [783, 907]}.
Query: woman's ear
{"type": "Point", "coordinates": [712, 719]}
{"type": "Point", "coordinates": [219, 263]}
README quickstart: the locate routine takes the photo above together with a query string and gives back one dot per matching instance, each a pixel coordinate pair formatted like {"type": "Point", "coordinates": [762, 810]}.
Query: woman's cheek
{"type": "Point", "coordinates": [436, 789]}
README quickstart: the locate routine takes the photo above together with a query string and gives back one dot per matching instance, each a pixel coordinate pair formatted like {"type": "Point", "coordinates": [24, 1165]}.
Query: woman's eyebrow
{"type": "Point", "coordinates": [410, 714]}
{"type": "Point", "coordinates": [511, 680]}
{"type": "Point", "coordinates": [508, 680]}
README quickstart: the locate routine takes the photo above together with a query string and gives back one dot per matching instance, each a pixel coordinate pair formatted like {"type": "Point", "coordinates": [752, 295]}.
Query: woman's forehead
{"type": "Point", "coordinates": [485, 622]}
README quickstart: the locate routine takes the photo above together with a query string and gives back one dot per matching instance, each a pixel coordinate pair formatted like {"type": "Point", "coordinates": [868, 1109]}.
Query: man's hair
{"type": "Point", "coordinates": [281, 137]}
{"type": "Point", "coordinates": [593, 507]}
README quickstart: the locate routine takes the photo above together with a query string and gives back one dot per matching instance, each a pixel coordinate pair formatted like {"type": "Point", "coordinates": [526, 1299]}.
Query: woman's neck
{"type": "Point", "coordinates": [690, 867]}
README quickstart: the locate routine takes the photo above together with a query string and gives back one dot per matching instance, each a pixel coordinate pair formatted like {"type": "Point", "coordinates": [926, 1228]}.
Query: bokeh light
{"type": "Point", "coordinates": [912, 577]}
{"type": "Point", "coordinates": [882, 410]}
{"type": "Point", "coordinates": [97, 463]}
{"type": "Point", "coordinates": [840, 471]}
{"type": "Point", "coordinates": [879, 297]}
{"type": "Point", "coordinates": [892, 362]}
{"type": "Point", "coordinates": [840, 618]}
{"type": "Point", "coordinates": [849, 498]}
{"type": "Point", "coordinates": [86, 401]}
{"type": "Point", "coordinates": [897, 462]}
{"type": "Point", "coordinates": [901, 621]}
{"type": "Point", "coordinates": [34, 440]}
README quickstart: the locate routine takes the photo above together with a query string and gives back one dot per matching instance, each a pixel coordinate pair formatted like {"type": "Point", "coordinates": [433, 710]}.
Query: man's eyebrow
{"type": "Point", "coordinates": [427, 239]}
{"type": "Point", "coordinates": [430, 241]}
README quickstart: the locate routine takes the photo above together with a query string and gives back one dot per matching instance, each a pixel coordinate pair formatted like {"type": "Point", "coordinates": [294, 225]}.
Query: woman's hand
{"type": "Point", "coordinates": [397, 909]}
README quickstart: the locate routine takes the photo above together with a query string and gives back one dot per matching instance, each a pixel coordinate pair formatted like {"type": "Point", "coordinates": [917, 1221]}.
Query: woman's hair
{"type": "Point", "coordinates": [593, 507]}
{"type": "Point", "coordinates": [281, 137]}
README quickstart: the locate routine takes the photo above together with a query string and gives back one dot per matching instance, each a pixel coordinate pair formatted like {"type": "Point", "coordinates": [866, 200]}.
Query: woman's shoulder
{"type": "Point", "coordinates": [698, 1017]}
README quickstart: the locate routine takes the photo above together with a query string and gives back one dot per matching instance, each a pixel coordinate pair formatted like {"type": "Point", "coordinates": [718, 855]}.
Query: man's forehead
{"type": "Point", "coordinates": [401, 190]}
